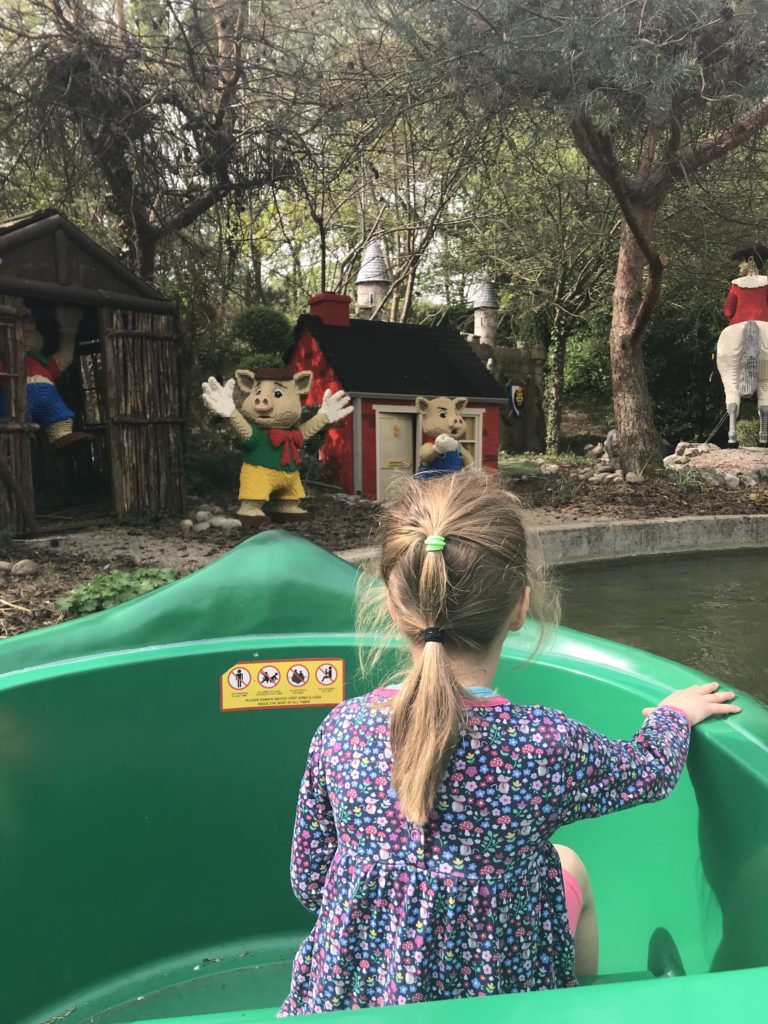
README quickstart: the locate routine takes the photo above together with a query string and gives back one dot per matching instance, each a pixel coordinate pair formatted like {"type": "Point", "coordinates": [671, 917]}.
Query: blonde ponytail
{"type": "Point", "coordinates": [427, 719]}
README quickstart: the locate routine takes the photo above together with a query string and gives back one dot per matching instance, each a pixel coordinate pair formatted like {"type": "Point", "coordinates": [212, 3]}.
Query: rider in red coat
{"type": "Point", "coordinates": [748, 297]}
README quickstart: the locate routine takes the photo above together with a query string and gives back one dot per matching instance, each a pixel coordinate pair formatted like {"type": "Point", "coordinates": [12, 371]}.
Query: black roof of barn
{"type": "Point", "coordinates": [374, 357]}
{"type": "Point", "coordinates": [44, 255]}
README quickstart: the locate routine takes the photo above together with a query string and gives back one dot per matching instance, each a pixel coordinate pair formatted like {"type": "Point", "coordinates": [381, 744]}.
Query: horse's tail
{"type": "Point", "coordinates": [750, 351]}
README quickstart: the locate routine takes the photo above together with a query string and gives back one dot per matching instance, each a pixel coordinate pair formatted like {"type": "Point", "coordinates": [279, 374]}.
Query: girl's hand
{"type": "Point", "coordinates": [700, 702]}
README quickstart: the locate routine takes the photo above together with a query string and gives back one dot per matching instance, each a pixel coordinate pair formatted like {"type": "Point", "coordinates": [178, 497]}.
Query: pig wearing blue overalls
{"type": "Point", "coordinates": [443, 426]}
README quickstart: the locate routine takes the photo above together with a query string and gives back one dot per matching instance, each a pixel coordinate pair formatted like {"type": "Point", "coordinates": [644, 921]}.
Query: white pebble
{"type": "Point", "coordinates": [26, 567]}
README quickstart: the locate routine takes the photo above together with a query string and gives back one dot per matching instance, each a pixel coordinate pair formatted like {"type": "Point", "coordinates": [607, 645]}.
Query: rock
{"type": "Point", "coordinates": [598, 449]}
{"type": "Point", "coordinates": [550, 468]}
{"type": "Point", "coordinates": [675, 460]}
{"type": "Point", "coordinates": [634, 478]}
{"type": "Point", "coordinates": [598, 478]}
{"type": "Point", "coordinates": [217, 510]}
{"type": "Point", "coordinates": [731, 480]}
{"type": "Point", "coordinates": [611, 443]}
{"type": "Point", "coordinates": [205, 508]}
{"type": "Point", "coordinates": [225, 523]}
{"type": "Point", "coordinates": [749, 480]}
{"type": "Point", "coordinates": [202, 515]}
{"type": "Point", "coordinates": [681, 447]}
{"type": "Point", "coordinates": [5, 566]}
{"type": "Point", "coordinates": [607, 468]}
{"type": "Point", "coordinates": [617, 478]}
{"type": "Point", "coordinates": [201, 527]}
{"type": "Point", "coordinates": [714, 477]}
{"type": "Point", "coordinates": [588, 448]}
{"type": "Point", "coordinates": [26, 567]}
{"type": "Point", "coordinates": [186, 524]}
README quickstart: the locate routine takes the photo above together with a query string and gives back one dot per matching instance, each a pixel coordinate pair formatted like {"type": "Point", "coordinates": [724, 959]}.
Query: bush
{"type": "Point", "coordinates": [748, 432]}
{"type": "Point", "coordinates": [257, 360]}
{"type": "Point", "coordinates": [587, 374]}
{"type": "Point", "coordinates": [112, 588]}
{"type": "Point", "coordinates": [260, 329]}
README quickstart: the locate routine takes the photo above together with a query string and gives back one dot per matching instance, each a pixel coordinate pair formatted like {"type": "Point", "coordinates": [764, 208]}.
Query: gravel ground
{"type": "Point", "coordinates": [732, 460]}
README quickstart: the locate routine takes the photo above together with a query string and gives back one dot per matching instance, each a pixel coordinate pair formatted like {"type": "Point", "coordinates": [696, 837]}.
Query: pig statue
{"type": "Point", "coordinates": [443, 426]}
{"type": "Point", "coordinates": [45, 359]}
{"type": "Point", "coordinates": [264, 412]}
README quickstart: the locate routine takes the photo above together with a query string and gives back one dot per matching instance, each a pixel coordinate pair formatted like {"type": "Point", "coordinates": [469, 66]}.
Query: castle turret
{"type": "Point", "coordinates": [486, 307]}
{"type": "Point", "coordinates": [373, 283]}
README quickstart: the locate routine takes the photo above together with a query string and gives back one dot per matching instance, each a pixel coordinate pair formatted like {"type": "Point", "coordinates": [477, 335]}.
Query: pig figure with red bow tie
{"type": "Point", "coordinates": [264, 412]}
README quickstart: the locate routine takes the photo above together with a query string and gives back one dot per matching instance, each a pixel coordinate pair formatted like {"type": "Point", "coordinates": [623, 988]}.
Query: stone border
{"type": "Point", "coordinates": [607, 541]}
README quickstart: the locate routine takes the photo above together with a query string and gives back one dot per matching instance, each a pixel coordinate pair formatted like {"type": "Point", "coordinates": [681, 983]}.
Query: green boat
{"type": "Point", "coordinates": [145, 832]}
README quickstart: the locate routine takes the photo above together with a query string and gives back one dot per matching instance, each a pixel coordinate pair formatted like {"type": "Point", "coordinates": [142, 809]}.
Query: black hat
{"type": "Point", "coordinates": [280, 373]}
{"type": "Point", "coordinates": [754, 250]}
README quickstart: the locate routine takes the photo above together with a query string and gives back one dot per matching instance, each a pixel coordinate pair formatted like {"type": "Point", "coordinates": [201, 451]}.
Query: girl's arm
{"type": "Point", "coordinates": [603, 775]}
{"type": "Point", "coordinates": [314, 835]}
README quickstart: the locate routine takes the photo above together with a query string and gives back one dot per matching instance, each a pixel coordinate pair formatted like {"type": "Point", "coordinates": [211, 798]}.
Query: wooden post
{"type": "Point", "coordinates": [17, 500]}
{"type": "Point", "coordinates": [144, 412]}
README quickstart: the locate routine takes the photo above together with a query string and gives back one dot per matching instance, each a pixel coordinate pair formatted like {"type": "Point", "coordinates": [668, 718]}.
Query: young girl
{"type": "Point", "coordinates": [423, 833]}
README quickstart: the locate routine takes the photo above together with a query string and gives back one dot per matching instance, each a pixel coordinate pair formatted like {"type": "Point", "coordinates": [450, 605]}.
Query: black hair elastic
{"type": "Point", "coordinates": [433, 635]}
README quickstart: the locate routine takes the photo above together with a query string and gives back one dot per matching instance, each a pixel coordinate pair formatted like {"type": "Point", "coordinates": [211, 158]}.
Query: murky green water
{"type": "Point", "coordinates": [708, 611]}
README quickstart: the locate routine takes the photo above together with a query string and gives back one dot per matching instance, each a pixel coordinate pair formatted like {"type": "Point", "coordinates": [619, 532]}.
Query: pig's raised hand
{"type": "Point", "coordinates": [218, 397]}
{"type": "Point", "coordinates": [445, 443]}
{"type": "Point", "coordinates": [69, 318]}
{"type": "Point", "coordinates": [336, 406]}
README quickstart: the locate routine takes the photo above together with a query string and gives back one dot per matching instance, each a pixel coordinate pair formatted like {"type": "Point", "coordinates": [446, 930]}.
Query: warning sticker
{"type": "Point", "coordinates": [260, 685]}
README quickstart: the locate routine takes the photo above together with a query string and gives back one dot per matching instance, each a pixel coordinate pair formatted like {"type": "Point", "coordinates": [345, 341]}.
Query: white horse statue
{"type": "Point", "coordinates": [742, 349]}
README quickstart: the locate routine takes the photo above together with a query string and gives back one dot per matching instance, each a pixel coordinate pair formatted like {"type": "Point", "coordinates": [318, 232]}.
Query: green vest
{"type": "Point", "coordinates": [258, 450]}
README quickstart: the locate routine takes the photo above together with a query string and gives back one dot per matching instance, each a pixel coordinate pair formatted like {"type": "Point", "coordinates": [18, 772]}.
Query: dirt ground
{"type": "Point", "coordinates": [69, 559]}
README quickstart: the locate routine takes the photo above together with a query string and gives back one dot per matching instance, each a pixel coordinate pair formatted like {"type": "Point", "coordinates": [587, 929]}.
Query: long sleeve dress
{"type": "Point", "coordinates": [472, 903]}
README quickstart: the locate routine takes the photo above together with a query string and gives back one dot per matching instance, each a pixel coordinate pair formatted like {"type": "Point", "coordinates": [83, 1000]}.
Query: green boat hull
{"type": "Point", "coordinates": [145, 835]}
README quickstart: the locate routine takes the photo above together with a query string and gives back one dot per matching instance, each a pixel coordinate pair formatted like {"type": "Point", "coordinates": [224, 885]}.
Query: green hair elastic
{"type": "Point", "coordinates": [434, 542]}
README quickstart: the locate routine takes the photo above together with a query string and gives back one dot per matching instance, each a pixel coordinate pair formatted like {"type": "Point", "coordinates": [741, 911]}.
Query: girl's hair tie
{"type": "Point", "coordinates": [434, 635]}
{"type": "Point", "coordinates": [434, 542]}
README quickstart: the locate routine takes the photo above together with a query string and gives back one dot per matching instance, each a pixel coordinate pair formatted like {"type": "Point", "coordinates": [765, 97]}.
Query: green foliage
{"type": "Point", "coordinates": [694, 479]}
{"type": "Point", "coordinates": [109, 589]}
{"type": "Point", "coordinates": [588, 362]}
{"type": "Point", "coordinates": [748, 432]}
{"type": "Point", "coordinates": [211, 461]}
{"type": "Point", "coordinates": [260, 329]}
{"type": "Point", "coordinates": [258, 360]}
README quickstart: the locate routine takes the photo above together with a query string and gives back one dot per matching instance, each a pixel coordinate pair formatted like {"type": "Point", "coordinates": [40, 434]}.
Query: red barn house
{"type": "Point", "coordinates": [384, 367]}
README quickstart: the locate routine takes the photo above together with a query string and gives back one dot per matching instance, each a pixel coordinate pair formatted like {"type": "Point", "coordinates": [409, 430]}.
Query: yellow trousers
{"type": "Point", "coordinates": [257, 483]}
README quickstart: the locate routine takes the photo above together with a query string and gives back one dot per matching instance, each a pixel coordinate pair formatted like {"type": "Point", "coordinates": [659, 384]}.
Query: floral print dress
{"type": "Point", "coordinates": [472, 903]}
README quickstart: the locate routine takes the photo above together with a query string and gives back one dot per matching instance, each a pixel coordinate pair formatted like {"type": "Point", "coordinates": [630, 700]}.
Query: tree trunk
{"type": "Point", "coordinates": [632, 408]}
{"type": "Point", "coordinates": [405, 312]}
{"type": "Point", "coordinates": [554, 387]}
{"type": "Point", "coordinates": [142, 252]}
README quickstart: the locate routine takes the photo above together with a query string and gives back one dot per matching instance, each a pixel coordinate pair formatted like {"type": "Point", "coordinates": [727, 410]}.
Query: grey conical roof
{"type": "Point", "coordinates": [373, 267]}
{"type": "Point", "coordinates": [483, 294]}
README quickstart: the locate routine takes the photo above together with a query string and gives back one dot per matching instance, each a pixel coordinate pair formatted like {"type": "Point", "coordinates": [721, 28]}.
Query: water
{"type": "Point", "coordinates": [706, 611]}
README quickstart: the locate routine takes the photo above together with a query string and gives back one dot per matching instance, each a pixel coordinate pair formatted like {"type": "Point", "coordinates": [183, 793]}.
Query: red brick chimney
{"type": "Point", "coordinates": [332, 309]}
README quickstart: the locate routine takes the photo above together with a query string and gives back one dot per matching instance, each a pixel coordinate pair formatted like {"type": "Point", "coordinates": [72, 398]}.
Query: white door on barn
{"type": "Point", "coordinates": [395, 450]}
